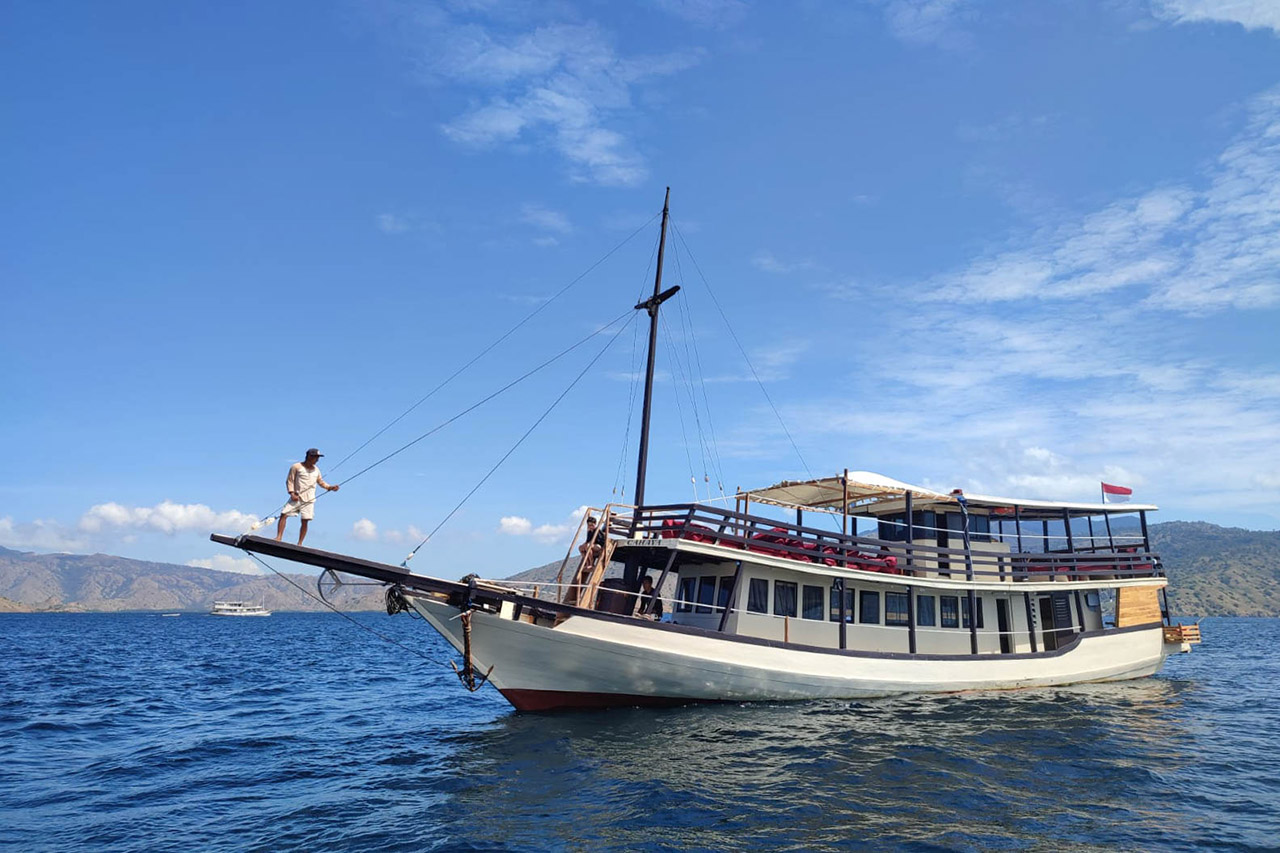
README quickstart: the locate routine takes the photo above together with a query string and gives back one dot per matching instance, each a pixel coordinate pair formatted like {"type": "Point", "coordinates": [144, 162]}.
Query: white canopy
{"type": "Point", "coordinates": [876, 494]}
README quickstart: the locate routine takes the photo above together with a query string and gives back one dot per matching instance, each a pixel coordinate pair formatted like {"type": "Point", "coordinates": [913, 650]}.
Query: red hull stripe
{"type": "Point", "coordinates": [565, 700]}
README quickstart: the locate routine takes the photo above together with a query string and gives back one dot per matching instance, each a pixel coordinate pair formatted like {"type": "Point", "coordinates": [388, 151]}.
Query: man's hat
{"type": "Point", "coordinates": [311, 451]}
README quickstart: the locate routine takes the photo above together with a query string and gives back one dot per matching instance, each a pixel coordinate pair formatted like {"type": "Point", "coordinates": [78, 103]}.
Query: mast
{"type": "Point", "coordinates": [651, 305]}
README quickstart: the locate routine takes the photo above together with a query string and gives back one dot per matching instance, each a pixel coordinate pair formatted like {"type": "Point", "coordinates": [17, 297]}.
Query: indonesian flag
{"type": "Point", "coordinates": [1115, 494]}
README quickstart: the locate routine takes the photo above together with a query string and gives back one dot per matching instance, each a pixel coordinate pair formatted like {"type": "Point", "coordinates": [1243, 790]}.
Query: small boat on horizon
{"type": "Point", "coordinates": [238, 608]}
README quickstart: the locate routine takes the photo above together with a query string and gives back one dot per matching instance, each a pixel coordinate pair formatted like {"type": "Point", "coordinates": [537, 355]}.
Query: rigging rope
{"type": "Point", "coordinates": [346, 616]}
{"type": "Point", "coordinates": [687, 311]}
{"type": "Point", "coordinates": [502, 338]}
{"type": "Point", "coordinates": [680, 236]}
{"type": "Point", "coordinates": [527, 433]}
{"type": "Point", "coordinates": [471, 408]}
{"type": "Point", "coordinates": [675, 389]}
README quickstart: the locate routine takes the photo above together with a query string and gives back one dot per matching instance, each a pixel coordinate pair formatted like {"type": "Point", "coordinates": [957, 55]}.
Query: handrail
{"type": "Point", "coordinates": [729, 528]}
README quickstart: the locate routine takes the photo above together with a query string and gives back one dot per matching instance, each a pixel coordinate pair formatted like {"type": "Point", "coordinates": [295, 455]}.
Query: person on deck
{"type": "Point", "coordinates": [593, 544]}
{"type": "Point", "coordinates": [647, 595]}
{"type": "Point", "coordinates": [301, 482]}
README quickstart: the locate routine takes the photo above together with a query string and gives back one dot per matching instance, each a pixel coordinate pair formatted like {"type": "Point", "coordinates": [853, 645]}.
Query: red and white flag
{"type": "Point", "coordinates": [1115, 494]}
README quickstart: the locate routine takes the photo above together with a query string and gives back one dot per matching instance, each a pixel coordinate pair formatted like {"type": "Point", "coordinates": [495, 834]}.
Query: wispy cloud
{"type": "Point", "coordinates": [1186, 248]}
{"type": "Point", "coordinates": [364, 530]}
{"type": "Point", "coordinates": [561, 85]}
{"type": "Point", "coordinates": [766, 261]}
{"type": "Point", "coordinates": [933, 22]}
{"type": "Point", "coordinates": [390, 223]}
{"type": "Point", "coordinates": [706, 13]}
{"type": "Point", "coordinates": [41, 535]}
{"type": "Point", "coordinates": [1251, 14]}
{"type": "Point", "coordinates": [545, 219]}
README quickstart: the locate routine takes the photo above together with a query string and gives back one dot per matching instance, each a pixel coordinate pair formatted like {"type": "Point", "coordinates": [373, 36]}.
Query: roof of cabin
{"type": "Point", "coordinates": [876, 494]}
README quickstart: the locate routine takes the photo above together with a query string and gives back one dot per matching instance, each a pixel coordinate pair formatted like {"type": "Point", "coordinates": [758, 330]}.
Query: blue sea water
{"type": "Point", "coordinates": [303, 732]}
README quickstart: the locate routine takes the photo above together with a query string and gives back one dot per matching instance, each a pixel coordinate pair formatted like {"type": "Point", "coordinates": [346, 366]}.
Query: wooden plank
{"type": "Point", "coordinates": [1137, 605]}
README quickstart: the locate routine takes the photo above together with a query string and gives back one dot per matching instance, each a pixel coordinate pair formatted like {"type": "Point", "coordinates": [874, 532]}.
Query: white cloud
{"type": "Point", "coordinates": [40, 534]}
{"type": "Point", "coordinates": [515, 525]}
{"type": "Point", "coordinates": [390, 223]}
{"type": "Point", "coordinates": [767, 262]}
{"type": "Point", "coordinates": [1185, 249]}
{"type": "Point", "coordinates": [224, 563]}
{"type": "Point", "coordinates": [927, 21]}
{"type": "Point", "coordinates": [707, 13]}
{"type": "Point", "coordinates": [164, 517]}
{"type": "Point", "coordinates": [545, 219]}
{"type": "Point", "coordinates": [364, 530]}
{"type": "Point", "coordinates": [411, 534]}
{"type": "Point", "coordinates": [1251, 14]}
{"type": "Point", "coordinates": [559, 85]}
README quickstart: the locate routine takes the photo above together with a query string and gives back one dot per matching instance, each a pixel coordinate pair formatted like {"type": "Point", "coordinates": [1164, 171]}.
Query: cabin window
{"type": "Point", "coordinates": [893, 528]}
{"type": "Point", "coordinates": [758, 596]}
{"type": "Point", "coordinates": [706, 594]}
{"type": "Point", "coordinates": [835, 604]}
{"type": "Point", "coordinates": [926, 614]}
{"type": "Point", "coordinates": [979, 528]}
{"type": "Point", "coordinates": [964, 610]}
{"type": "Point", "coordinates": [895, 608]}
{"type": "Point", "coordinates": [784, 598]}
{"type": "Point", "coordinates": [813, 602]}
{"type": "Point", "coordinates": [950, 611]}
{"type": "Point", "coordinates": [726, 592]}
{"type": "Point", "coordinates": [869, 607]}
{"type": "Point", "coordinates": [687, 586]}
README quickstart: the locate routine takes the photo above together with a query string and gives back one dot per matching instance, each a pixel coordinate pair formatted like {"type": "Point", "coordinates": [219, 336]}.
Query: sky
{"type": "Point", "coordinates": [1016, 248]}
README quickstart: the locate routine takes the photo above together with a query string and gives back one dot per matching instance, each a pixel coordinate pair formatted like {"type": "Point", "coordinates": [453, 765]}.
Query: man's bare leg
{"type": "Point", "coordinates": [280, 527]}
{"type": "Point", "coordinates": [302, 534]}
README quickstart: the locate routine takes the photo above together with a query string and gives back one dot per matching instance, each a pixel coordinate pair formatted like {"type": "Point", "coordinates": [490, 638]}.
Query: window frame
{"type": "Point", "coordinates": [905, 619]}
{"type": "Point", "coordinates": [952, 619]}
{"type": "Point", "coordinates": [865, 596]}
{"type": "Point", "coordinates": [793, 591]}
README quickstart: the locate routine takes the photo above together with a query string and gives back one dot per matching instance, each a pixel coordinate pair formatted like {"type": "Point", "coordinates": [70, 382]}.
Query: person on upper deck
{"type": "Point", "coordinates": [301, 482]}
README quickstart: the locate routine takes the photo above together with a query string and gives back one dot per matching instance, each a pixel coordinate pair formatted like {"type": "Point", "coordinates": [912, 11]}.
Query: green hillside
{"type": "Point", "coordinates": [1219, 571]}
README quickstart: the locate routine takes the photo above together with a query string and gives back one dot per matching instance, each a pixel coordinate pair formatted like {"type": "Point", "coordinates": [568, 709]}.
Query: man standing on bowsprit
{"type": "Point", "coordinates": [301, 484]}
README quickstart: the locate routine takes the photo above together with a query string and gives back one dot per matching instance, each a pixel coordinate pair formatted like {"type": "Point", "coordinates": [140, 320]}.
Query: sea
{"type": "Point", "coordinates": [138, 732]}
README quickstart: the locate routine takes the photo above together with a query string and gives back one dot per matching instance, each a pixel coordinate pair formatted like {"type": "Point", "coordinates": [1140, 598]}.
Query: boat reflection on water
{"type": "Point", "coordinates": [980, 769]}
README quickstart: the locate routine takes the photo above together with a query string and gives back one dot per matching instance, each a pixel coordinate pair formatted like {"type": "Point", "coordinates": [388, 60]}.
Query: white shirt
{"type": "Point", "coordinates": [302, 481]}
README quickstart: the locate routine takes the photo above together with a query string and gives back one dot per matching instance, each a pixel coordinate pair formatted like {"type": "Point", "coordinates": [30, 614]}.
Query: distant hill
{"type": "Point", "coordinates": [1213, 571]}
{"type": "Point", "coordinates": [1219, 571]}
{"type": "Point", "coordinates": [100, 582]}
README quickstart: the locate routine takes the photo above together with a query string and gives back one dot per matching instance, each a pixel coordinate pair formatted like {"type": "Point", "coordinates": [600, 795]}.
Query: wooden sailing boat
{"type": "Point", "coordinates": [953, 592]}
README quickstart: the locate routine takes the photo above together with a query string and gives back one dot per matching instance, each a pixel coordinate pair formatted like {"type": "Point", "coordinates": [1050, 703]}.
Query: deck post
{"type": "Point", "coordinates": [1071, 542]}
{"type": "Point", "coordinates": [728, 605]}
{"type": "Point", "coordinates": [1080, 609]}
{"type": "Point", "coordinates": [968, 576]}
{"type": "Point", "coordinates": [1111, 540]}
{"type": "Point", "coordinates": [666, 570]}
{"type": "Point", "coordinates": [799, 519]}
{"type": "Point", "coordinates": [1031, 624]}
{"type": "Point", "coordinates": [844, 613]}
{"type": "Point", "coordinates": [911, 620]}
{"type": "Point", "coordinates": [1017, 523]}
{"type": "Point", "coordinates": [1146, 537]}
{"type": "Point", "coordinates": [844, 503]}
{"type": "Point", "coordinates": [911, 560]}
{"type": "Point", "coordinates": [1044, 527]}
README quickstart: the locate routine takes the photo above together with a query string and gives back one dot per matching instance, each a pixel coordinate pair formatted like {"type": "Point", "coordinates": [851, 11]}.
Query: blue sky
{"type": "Point", "coordinates": [1013, 247]}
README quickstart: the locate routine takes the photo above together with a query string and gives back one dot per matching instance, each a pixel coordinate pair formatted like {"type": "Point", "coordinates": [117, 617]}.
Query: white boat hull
{"type": "Point", "coordinates": [591, 662]}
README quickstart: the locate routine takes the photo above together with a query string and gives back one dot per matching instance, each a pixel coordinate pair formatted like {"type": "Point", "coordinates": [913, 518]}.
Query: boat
{"type": "Point", "coordinates": [850, 586]}
{"type": "Point", "coordinates": [170, 615]}
{"type": "Point", "coordinates": [238, 608]}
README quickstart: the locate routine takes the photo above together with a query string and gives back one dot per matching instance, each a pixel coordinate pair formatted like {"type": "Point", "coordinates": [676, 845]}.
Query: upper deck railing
{"type": "Point", "coordinates": [771, 537]}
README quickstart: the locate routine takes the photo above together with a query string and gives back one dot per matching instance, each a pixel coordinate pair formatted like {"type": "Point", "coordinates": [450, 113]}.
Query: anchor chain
{"type": "Point", "coordinates": [467, 675]}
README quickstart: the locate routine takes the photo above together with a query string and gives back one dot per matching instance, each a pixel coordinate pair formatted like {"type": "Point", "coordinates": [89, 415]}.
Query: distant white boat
{"type": "Point", "coordinates": [238, 608]}
{"type": "Point", "coordinates": [170, 614]}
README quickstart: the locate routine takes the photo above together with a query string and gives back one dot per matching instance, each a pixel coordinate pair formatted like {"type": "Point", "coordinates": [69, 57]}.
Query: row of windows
{"type": "Point", "coordinates": [699, 594]}
{"type": "Point", "coordinates": [953, 609]}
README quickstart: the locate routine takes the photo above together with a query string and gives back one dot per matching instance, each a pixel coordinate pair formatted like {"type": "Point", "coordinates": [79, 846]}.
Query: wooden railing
{"type": "Point", "coordinates": [772, 537]}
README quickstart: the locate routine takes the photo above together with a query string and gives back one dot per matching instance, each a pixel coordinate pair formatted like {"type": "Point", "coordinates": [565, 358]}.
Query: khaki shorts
{"type": "Point", "coordinates": [306, 510]}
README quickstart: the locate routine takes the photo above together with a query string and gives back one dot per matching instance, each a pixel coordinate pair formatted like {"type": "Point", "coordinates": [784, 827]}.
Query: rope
{"type": "Point", "coordinates": [376, 633]}
{"type": "Point", "coordinates": [741, 349]}
{"type": "Point", "coordinates": [471, 408]}
{"type": "Point", "coordinates": [502, 338]}
{"type": "Point", "coordinates": [687, 312]}
{"type": "Point", "coordinates": [527, 433]}
{"type": "Point", "coordinates": [675, 390]}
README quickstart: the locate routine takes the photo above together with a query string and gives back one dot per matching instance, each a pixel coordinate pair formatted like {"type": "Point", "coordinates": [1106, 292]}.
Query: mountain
{"type": "Point", "coordinates": [1213, 571]}
{"type": "Point", "coordinates": [101, 582]}
{"type": "Point", "coordinates": [1219, 571]}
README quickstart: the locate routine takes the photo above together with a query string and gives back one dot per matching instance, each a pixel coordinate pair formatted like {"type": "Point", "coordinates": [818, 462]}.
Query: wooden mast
{"type": "Point", "coordinates": [651, 305]}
